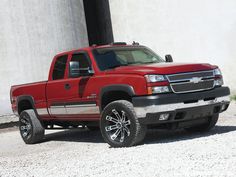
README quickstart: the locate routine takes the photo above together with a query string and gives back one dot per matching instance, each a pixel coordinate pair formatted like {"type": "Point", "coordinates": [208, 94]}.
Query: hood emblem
{"type": "Point", "coordinates": [196, 80]}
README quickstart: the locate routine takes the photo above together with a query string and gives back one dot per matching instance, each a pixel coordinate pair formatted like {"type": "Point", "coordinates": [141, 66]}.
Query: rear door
{"type": "Point", "coordinates": [57, 89]}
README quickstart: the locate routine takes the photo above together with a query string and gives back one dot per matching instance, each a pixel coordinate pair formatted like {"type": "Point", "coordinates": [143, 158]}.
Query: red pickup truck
{"type": "Point", "coordinates": [121, 89]}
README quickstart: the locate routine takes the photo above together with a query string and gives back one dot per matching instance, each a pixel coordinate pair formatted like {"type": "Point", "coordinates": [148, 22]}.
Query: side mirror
{"type": "Point", "coordinates": [76, 71]}
{"type": "Point", "coordinates": [169, 58]}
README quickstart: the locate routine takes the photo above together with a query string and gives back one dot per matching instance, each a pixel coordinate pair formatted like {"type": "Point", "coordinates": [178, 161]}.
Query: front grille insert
{"type": "Point", "coordinates": [192, 87]}
{"type": "Point", "coordinates": [191, 82]}
{"type": "Point", "coordinates": [188, 76]}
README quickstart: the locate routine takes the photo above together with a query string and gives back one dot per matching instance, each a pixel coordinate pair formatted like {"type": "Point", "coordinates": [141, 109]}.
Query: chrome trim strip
{"type": "Point", "coordinates": [57, 110]}
{"type": "Point", "coordinates": [82, 110]}
{"type": "Point", "coordinates": [186, 73]}
{"type": "Point", "coordinates": [75, 109]}
{"type": "Point", "coordinates": [80, 105]}
{"type": "Point", "coordinates": [142, 111]}
{"type": "Point", "coordinates": [42, 111]}
{"type": "Point", "coordinates": [57, 106]}
{"type": "Point", "coordinates": [183, 80]}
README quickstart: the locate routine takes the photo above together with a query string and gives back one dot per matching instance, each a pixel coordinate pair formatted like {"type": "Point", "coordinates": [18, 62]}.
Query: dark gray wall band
{"type": "Point", "coordinates": [98, 20]}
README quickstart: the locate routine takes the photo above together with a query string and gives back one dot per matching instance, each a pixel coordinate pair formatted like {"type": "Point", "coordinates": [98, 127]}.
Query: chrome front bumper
{"type": "Point", "coordinates": [141, 112]}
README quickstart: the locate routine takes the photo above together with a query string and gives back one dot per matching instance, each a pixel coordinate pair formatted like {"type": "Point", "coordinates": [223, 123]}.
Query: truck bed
{"type": "Point", "coordinates": [35, 90]}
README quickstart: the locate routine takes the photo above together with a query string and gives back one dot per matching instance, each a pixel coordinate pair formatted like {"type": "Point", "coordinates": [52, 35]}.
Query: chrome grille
{"type": "Point", "coordinates": [192, 81]}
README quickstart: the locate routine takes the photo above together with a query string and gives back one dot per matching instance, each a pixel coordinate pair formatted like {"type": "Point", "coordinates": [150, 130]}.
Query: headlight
{"type": "Point", "coordinates": [217, 72]}
{"type": "Point", "coordinates": [218, 80]}
{"type": "Point", "coordinates": [155, 78]}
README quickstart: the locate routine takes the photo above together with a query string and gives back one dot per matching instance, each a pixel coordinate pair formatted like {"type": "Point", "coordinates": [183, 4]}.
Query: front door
{"type": "Point", "coordinates": [82, 103]}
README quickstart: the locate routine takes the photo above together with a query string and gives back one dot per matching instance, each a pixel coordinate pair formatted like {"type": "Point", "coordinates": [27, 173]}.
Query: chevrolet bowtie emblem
{"type": "Point", "coordinates": [196, 80]}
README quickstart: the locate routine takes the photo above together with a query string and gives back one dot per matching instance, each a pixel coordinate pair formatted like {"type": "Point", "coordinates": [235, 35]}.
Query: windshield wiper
{"type": "Point", "coordinates": [149, 62]}
{"type": "Point", "coordinates": [138, 63]}
{"type": "Point", "coordinates": [116, 66]}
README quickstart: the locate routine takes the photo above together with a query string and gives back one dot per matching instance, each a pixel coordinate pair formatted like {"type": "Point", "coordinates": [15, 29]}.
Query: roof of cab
{"type": "Point", "coordinates": [94, 46]}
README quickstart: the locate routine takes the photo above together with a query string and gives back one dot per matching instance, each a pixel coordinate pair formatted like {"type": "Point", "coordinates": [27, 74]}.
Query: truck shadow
{"type": "Point", "coordinates": [163, 136]}
{"type": "Point", "coordinates": [75, 135]}
{"type": "Point", "coordinates": [153, 135]}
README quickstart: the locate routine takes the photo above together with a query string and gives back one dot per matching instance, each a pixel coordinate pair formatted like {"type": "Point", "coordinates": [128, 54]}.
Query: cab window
{"type": "Point", "coordinates": [59, 67]}
{"type": "Point", "coordinates": [80, 65]}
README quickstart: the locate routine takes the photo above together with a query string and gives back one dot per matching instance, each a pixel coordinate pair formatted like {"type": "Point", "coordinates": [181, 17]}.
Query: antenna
{"type": "Point", "coordinates": [135, 43]}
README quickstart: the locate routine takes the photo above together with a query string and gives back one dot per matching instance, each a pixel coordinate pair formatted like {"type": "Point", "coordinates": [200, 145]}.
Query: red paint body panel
{"type": "Point", "coordinates": [35, 90]}
{"type": "Point", "coordinates": [162, 68]}
{"type": "Point", "coordinates": [48, 93]}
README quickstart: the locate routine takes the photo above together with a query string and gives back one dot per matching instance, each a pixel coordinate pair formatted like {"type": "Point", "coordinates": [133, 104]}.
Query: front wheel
{"type": "Point", "coordinates": [212, 120]}
{"type": "Point", "coordinates": [119, 125]}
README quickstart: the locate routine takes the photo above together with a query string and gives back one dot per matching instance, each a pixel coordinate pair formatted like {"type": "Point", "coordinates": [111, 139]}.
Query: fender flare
{"type": "Point", "coordinates": [116, 87]}
{"type": "Point", "coordinates": [28, 98]}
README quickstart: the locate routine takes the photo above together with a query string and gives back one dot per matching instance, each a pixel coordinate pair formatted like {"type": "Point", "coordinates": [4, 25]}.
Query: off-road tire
{"type": "Point", "coordinates": [36, 130]}
{"type": "Point", "coordinates": [137, 130]}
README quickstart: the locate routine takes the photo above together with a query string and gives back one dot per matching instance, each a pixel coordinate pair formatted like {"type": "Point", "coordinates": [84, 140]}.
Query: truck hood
{"type": "Point", "coordinates": [161, 68]}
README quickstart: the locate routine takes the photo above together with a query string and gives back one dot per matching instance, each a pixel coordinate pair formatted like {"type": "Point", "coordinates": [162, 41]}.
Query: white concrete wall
{"type": "Point", "coordinates": [191, 30]}
{"type": "Point", "coordinates": [31, 33]}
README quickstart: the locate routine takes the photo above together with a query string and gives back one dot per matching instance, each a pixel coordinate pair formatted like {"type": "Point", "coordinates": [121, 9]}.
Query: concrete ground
{"type": "Point", "coordinates": [8, 121]}
{"type": "Point", "coordinates": [84, 153]}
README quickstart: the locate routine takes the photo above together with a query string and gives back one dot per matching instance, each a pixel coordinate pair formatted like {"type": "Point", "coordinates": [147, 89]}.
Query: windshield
{"type": "Point", "coordinates": [112, 57]}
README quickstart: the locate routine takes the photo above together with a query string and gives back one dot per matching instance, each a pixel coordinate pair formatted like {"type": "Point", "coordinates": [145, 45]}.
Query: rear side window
{"type": "Point", "coordinates": [59, 67]}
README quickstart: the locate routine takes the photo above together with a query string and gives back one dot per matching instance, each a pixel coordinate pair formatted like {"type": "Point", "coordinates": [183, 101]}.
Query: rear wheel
{"type": "Point", "coordinates": [31, 129]}
{"type": "Point", "coordinates": [212, 120]}
{"type": "Point", "coordinates": [120, 126]}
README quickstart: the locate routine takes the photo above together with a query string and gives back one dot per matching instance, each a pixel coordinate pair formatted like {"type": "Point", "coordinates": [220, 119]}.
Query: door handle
{"type": "Point", "coordinates": [67, 86]}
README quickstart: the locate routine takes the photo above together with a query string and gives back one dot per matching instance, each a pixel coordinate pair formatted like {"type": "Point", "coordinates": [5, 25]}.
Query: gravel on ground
{"type": "Point", "coordinates": [84, 153]}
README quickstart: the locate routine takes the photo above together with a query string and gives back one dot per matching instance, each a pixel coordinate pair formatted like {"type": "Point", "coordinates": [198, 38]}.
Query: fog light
{"type": "Point", "coordinates": [160, 89]}
{"type": "Point", "coordinates": [219, 82]}
{"type": "Point", "coordinates": [164, 117]}
{"type": "Point", "coordinates": [223, 107]}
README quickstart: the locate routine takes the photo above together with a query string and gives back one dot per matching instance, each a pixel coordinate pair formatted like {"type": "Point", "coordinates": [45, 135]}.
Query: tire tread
{"type": "Point", "coordinates": [140, 131]}
{"type": "Point", "coordinates": [37, 128]}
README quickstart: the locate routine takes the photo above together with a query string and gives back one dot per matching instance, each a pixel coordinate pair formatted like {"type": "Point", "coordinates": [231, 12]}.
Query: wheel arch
{"type": "Point", "coordinates": [25, 102]}
{"type": "Point", "coordinates": [115, 92]}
